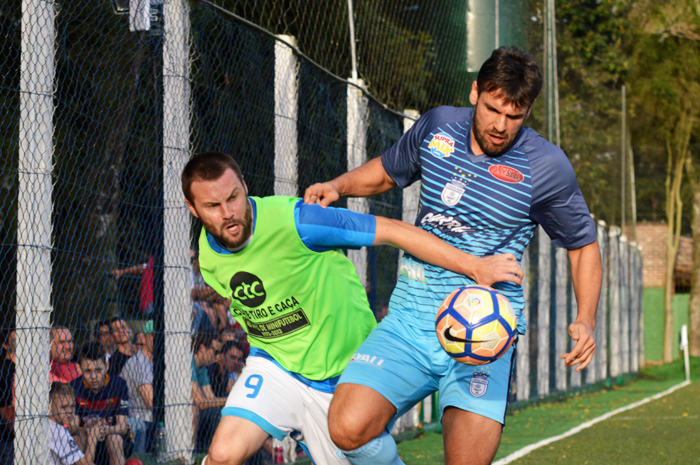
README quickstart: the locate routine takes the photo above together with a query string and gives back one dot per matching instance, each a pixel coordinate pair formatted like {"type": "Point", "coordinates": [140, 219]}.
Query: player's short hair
{"type": "Point", "coordinates": [61, 389]}
{"type": "Point", "coordinates": [514, 73]}
{"type": "Point", "coordinates": [91, 351]}
{"type": "Point", "coordinates": [207, 166]}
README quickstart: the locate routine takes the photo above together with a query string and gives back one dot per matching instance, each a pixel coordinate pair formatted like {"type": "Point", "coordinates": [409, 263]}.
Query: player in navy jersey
{"type": "Point", "coordinates": [487, 181]}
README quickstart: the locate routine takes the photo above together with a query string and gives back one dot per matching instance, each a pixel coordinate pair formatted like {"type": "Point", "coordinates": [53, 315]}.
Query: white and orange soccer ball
{"type": "Point", "coordinates": [475, 325]}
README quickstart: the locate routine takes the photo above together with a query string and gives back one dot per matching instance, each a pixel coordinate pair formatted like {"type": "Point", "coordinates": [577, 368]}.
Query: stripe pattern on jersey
{"type": "Point", "coordinates": [481, 207]}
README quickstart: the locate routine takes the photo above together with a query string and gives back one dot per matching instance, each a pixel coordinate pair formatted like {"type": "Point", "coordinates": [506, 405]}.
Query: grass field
{"type": "Point", "coordinates": [661, 431]}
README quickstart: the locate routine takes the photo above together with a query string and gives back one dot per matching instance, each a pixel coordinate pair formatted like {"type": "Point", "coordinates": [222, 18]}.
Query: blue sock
{"type": "Point", "coordinates": [379, 451]}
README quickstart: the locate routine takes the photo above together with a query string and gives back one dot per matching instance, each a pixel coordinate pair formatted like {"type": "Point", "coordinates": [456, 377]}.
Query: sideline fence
{"type": "Point", "coordinates": [99, 114]}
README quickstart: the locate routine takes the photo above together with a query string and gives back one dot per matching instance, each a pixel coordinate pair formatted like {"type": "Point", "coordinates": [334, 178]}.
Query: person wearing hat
{"type": "Point", "coordinates": [138, 374]}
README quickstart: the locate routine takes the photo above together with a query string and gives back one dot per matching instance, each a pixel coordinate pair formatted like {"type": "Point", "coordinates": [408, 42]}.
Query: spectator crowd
{"type": "Point", "coordinates": [102, 396]}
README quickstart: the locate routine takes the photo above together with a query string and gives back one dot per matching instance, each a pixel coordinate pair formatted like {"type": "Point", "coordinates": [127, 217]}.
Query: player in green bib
{"type": "Point", "coordinates": [299, 299]}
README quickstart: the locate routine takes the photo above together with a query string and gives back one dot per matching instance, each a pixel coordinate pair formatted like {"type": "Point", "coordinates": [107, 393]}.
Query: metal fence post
{"type": "Point", "coordinates": [176, 235]}
{"type": "Point", "coordinates": [625, 307]}
{"type": "Point", "coordinates": [34, 230]}
{"type": "Point", "coordinates": [357, 154]}
{"type": "Point", "coordinates": [522, 371]}
{"type": "Point", "coordinates": [601, 328]}
{"type": "Point", "coordinates": [544, 348]}
{"type": "Point", "coordinates": [561, 333]}
{"type": "Point", "coordinates": [614, 333]}
{"type": "Point", "coordinates": [286, 107]}
{"type": "Point", "coordinates": [634, 307]}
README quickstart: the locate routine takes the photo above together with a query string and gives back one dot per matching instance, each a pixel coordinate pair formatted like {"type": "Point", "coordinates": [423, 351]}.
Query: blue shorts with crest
{"type": "Point", "coordinates": [405, 364]}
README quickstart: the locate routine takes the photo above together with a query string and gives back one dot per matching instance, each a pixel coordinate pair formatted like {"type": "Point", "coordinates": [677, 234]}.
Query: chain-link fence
{"type": "Point", "coordinates": [102, 105]}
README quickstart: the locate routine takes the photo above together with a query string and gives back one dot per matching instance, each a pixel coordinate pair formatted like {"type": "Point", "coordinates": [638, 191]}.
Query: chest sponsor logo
{"type": "Point", "coordinates": [506, 174]}
{"type": "Point", "coordinates": [248, 289]}
{"type": "Point", "coordinates": [442, 145]}
{"type": "Point", "coordinates": [479, 384]}
{"type": "Point", "coordinates": [444, 223]}
{"type": "Point", "coordinates": [278, 327]}
{"type": "Point", "coordinates": [452, 193]}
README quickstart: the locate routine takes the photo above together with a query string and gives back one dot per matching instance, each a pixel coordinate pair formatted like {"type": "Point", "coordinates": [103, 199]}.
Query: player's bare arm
{"type": "Point", "coordinates": [587, 276]}
{"type": "Point", "coordinates": [425, 246]}
{"type": "Point", "coordinates": [364, 181]}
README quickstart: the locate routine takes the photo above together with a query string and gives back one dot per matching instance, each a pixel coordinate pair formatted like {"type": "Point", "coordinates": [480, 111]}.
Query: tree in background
{"type": "Point", "coordinates": [667, 101]}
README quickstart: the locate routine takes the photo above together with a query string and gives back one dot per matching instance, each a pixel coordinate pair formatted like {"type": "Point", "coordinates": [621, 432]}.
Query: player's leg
{"type": "Point", "coordinates": [357, 414]}
{"type": "Point", "coordinates": [263, 402]}
{"type": "Point", "coordinates": [235, 441]}
{"type": "Point", "coordinates": [389, 373]}
{"type": "Point", "coordinates": [473, 401]}
{"type": "Point", "coordinates": [472, 449]}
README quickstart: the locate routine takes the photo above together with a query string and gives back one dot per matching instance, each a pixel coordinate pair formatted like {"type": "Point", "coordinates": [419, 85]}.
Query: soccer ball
{"type": "Point", "coordinates": [475, 325]}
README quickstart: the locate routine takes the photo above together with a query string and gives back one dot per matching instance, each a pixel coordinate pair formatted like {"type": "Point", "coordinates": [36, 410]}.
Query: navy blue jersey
{"type": "Point", "coordinates": [111, 401]}
{"type": "Point", "coordinates": [480, 204]}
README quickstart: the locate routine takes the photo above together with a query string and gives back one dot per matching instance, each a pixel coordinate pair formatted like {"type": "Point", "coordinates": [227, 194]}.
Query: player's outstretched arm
{"type": "Point", "coordinates": [423, 245]}
{"type": "Point", "coordinates": [364, 181]}
{"type": "Point", "coordinates": [587, 276]}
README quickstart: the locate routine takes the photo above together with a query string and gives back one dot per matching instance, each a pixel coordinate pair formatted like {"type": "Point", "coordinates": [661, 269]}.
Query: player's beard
{"type": "Point", "coordinates": [485, 144]}
{"type": "Point", "coordinates": [245, 227]}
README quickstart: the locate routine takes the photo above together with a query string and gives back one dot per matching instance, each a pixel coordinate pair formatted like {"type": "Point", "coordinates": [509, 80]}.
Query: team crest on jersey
{"type": "Point", "coordinates": [506, 174]}
{"type": "Point", "coordinates": [479, 384]}
{"type": "Point", "coordinates": [442, 145]}
{"type": "Point", "coordinates": [452, 192]}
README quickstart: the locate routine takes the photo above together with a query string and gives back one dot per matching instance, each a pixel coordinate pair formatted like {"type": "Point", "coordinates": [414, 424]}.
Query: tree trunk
{"type": "Point", "coordinates": [677, 141]}
{"type": "Point", "coordinates": [694, 305]}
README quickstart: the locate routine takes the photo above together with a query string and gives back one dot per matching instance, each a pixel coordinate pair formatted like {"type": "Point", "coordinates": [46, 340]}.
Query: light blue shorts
{"type": "Point", "coordinates": [405, 364]}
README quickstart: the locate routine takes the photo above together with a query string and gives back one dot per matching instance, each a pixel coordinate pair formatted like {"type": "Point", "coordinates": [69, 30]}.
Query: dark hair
{"type": "Point", "coordinates": [58, 389]}
{"type": "Point", "coordinates": [514, 73]}
{"type": "Point", "coordinates": [202, 338]}
{"type": "Point", "coordinates": [207, 166]}
{"type": "Point", "coordinates": [91, 351]}
{"type": "Point", "coordinates": [230, 345]}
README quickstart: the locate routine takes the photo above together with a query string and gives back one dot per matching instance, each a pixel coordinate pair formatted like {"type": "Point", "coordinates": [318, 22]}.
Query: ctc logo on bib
{"type": "Point", "coordinates": [248, 289]}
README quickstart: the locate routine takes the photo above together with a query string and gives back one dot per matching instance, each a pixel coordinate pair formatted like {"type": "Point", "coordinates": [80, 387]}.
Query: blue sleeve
{"type": "Point", "coordinates": [402, 161]}
{"type": "Point", "coordinates": [322, 229]}
{"type": "Point", "coordinates": [557, 203]}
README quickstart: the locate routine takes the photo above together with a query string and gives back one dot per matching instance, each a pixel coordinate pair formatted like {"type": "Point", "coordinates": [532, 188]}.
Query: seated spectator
{"type": "Point", "coordinates": [63, 450]}
{"type": "Point", "coordinates": [7, 376]}
{"type": "Point", "coordinates": [146, 286]}
{"type": "Point", "coordinates": [201, 322]}
{"type": "Point", "coordinates": [104, 337]}
{"type": "Point", "coordinates": [224, 373]}
{"type": "Point", "coordinates": [104, 400]}
{"type": "Point", "coordinates": [121, 335]}
{"type": "Point", "coordinates": [206, 350]}
{"type": "Point", "coordinates": [138, 374]}
{"type": "Point", "coordinates": [63, 370]}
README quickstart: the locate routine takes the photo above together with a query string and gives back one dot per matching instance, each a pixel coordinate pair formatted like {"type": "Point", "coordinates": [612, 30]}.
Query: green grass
{"type": "Point", "coordinates": [546, 419]}
{"type": "Point", "coordinates": [653, 305]}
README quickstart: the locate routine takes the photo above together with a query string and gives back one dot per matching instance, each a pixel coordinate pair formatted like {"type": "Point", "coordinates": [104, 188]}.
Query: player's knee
{"type": "Point", "coordinates": [221, 453]}
{"type": "Point", "coordinates": [348, 432]}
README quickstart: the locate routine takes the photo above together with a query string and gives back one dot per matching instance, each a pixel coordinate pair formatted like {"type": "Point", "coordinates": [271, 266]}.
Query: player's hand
{"type": "Point", "coordinates": [322, 193]}
{"type": "Point", "coordinates": [583, 351]}
{"type": "Point", "coordinates": [496, 268]}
